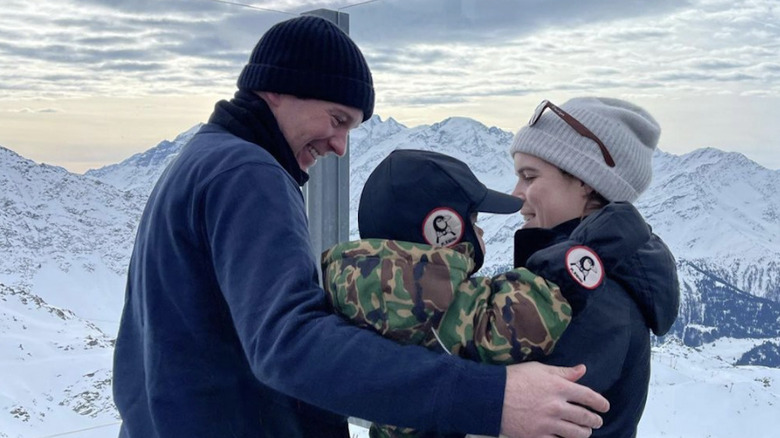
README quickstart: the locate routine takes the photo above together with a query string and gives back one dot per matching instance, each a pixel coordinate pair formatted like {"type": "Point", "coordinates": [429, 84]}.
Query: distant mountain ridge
{"type": "Point", "coordinates": [720, 211]}
{"type": "Point", "coordinates": [717, 209]}
{"type": "Point", "coordinates": [139, 172]}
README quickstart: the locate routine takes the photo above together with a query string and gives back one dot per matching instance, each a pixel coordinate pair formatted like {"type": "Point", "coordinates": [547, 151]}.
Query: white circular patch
{"type": "Point", "coordinates": [585, 266]}
{"type": "Point", "coordinates": [442, 227]}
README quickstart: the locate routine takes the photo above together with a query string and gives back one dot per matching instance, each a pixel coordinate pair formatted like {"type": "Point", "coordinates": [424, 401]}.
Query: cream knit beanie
{"type": "Point", "coordinates": [629, 132]}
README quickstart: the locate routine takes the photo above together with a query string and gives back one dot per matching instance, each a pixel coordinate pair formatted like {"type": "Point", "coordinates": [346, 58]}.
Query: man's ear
{"type": "Point", "coordinates": [271, 98]}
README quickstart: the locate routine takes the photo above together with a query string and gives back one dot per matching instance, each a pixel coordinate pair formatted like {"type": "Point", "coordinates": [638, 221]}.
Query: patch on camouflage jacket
{"type": "Point", "coordinates": [404, 290]}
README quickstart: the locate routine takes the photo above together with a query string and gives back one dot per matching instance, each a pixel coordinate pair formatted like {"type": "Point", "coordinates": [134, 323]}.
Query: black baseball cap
{"type": "Point", "coordinates": [427, 197]}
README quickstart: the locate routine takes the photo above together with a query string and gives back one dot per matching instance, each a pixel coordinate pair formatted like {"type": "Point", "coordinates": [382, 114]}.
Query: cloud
{"type": "Point", "coordinates": [603, 70]}
{"type": "Point", "coordinates": [637, 34]}
{"type": "Point", "coordinates": [34, 110]}
{"type": "Point", "coordinates": [424, 99]}
{"type": "Point", "coordinates": [430, 50]}
{"type": "Point", "coordinates": [131, 66]}
{"type": "Point", "coordinates": [478, 22]}
{"type": "Point", "coordinates": [758, 93]}
{"type": "Point", "coordinates": [717, 64]}
{"type": "Point", "coordinates": [703, 76]}
{"type": "Point", "coordinates": [492, 57]}
{"type": "Point", "coordinates": [155, 6]}
{"type": "Point", "coordinates": [771, 68]}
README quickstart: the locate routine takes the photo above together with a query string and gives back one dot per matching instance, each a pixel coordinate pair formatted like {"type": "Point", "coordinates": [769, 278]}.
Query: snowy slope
{"type": "Point", "coordinates": [56, 368]}
{"type": "Point", "coordinates": [65, 237]}
{"type": "Point", "coordinates": [700, 393]}
{"type": "Point", "coordinates": [694, 393]}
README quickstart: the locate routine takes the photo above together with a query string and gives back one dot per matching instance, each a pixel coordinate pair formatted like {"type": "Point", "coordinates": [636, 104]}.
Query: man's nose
{"type": "Point", "coordinates": [339, 144]}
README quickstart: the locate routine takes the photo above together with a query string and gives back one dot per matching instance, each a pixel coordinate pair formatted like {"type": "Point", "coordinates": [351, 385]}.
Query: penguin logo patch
{"type": "Point", "coordinates": [585, 267]}
{"type": "Point", "coordinates": [442, 227]}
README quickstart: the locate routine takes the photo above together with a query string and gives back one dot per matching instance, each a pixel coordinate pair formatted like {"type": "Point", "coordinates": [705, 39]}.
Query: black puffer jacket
{"type": "Point", "coordinates": [610, 334]}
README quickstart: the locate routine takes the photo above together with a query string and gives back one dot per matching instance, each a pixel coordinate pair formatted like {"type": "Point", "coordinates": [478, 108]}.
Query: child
{"type": "Point", "coordinates": [410, 277]}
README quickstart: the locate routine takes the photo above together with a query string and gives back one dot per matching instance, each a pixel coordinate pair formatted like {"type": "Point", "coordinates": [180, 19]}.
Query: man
{"type": "Point", "coordinates": [225, 330]}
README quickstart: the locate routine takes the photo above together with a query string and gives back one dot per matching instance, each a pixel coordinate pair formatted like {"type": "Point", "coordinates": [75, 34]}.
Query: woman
{"type": "Point", "coordinates": [579, 167]}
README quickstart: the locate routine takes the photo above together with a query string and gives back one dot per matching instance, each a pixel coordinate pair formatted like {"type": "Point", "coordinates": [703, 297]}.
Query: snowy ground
{"type": "Point", "coordinates": [112, 430]}
{"type": "Point", "coordinates": [698, 393]}
{"type": "Point", "coordinates": [695, 393]}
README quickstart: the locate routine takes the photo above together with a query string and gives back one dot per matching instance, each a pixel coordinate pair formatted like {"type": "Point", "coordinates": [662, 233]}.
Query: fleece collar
{"type": "Point", "coordinates": [248, 116]}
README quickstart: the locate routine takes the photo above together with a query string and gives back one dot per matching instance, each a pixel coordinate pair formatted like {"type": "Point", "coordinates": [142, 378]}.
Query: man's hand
{"type": "Point", "coordinates": [543, 401]}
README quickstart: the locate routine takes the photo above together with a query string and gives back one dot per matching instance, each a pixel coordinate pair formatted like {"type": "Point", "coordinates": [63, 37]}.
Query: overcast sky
{"type": "Point", "coordinates": [84, 83]}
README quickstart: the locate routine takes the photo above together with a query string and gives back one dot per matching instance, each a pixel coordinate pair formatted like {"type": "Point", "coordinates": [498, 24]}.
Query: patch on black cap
{"type": "Point", "coordinates": [443, 227]}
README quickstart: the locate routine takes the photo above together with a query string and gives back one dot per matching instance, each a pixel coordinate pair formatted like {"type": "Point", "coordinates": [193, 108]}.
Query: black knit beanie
{"type": "Point", "coordinates": [310, 57]}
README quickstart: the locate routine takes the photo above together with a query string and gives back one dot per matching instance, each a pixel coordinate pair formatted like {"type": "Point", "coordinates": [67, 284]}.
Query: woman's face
{"type": "Point", "coordinates": [550, 197]}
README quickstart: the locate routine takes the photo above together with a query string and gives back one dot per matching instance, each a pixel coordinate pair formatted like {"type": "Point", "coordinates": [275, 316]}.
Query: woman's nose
{"type": "Point", "coordinates": [518, 191]}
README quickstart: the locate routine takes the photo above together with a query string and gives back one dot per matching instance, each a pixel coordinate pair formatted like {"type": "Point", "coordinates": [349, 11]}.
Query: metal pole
{"type": "Point", "coordinates": [327, 192]}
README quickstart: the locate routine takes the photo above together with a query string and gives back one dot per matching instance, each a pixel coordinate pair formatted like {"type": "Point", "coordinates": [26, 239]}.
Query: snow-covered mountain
{"type": "Point", "coordinates": [139, 172]}
{"type": "Point", "coordinates": [65, 241]}
{"type": "Point", "coordinates": [65, 237]}
{"type": "Point", "coordinates": [717, 210]}
{"type": "Point", "coordinates": [719, 213]}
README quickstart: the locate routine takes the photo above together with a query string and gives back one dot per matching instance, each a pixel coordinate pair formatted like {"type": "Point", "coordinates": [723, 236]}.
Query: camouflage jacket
{"type": "Point", "coordinates": [406, 290]}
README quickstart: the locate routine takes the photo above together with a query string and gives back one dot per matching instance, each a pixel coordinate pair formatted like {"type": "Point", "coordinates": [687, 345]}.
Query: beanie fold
{"type": "Point", "coordinates": [310, 85]}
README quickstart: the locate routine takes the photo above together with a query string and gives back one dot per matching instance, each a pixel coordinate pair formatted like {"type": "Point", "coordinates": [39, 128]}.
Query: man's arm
{"type": "Point", "coordinates": [256, 229]}
{"type": "Point", "coordinates": [543, 401]}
